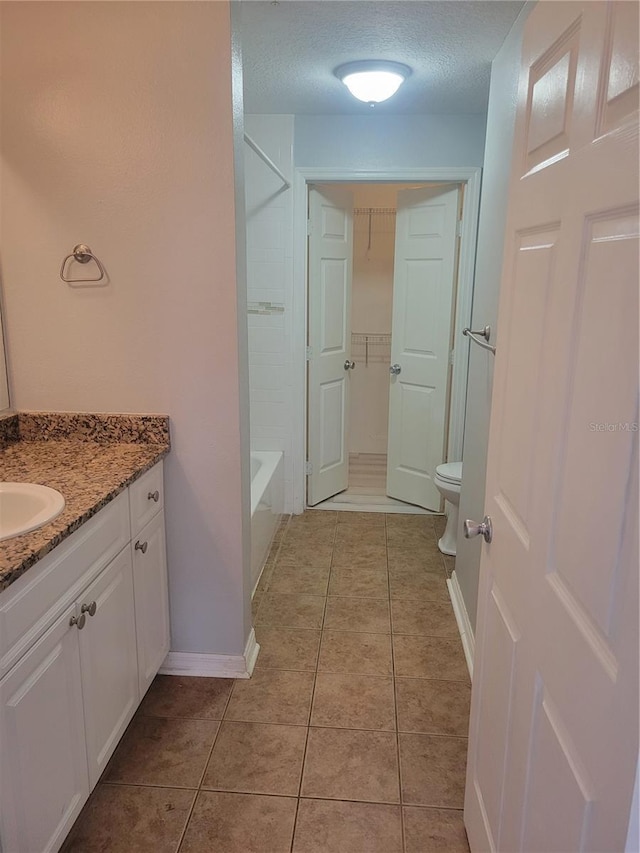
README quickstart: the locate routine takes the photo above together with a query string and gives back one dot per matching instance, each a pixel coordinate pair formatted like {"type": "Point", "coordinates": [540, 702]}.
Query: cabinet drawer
{"type": "Point", "coordinates": [146, 497]}
{"type": "Point", "coordinates": [31, 604]}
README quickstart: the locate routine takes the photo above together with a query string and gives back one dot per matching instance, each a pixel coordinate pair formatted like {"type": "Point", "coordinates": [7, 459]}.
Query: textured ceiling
{"type": "Point", "coordinates": [290, 49]}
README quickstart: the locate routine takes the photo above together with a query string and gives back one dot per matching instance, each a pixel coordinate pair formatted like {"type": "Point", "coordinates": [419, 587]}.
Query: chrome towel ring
{"type": "Point", "coordinates": [82, 254]}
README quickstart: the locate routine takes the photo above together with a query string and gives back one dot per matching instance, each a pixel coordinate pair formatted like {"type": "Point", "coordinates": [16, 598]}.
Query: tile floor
{"type": "Point", "coordinates": [349, 738]}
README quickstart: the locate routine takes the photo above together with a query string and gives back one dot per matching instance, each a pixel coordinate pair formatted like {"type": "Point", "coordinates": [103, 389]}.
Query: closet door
{"type": "Point", "coordinates": [423, 294]}
{"type": "Point", "coordinates": [330, 365]}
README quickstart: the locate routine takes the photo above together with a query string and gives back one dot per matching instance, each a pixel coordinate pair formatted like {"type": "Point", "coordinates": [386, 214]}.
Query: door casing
{"type": "Point", "coordinates": [303, 176]}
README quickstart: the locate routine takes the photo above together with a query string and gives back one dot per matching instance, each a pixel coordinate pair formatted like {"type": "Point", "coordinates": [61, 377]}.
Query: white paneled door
{"type": "Point", "coordinates": [554, 718]}
{"type": "Point", "coordinates": [423, 296]}
{"type": "Point", "coordinates": [330, 274]}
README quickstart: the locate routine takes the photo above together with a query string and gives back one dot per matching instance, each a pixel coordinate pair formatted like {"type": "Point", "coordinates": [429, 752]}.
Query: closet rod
{"type": "Point", "coordinates": [266, 159]}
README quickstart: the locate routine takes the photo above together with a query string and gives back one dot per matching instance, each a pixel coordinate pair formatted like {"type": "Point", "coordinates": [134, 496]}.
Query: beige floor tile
{"type": "Point", "coordinates": [287, 648]}
{"type": "Point", "coordinates": [324, 826]}
{"type": "Point", "coordinates": [272, 696]}
{"type": "Point", "coordinates": [434, 831]}
{"type": "Point", "coordinates": [449, 564]}
{"type": "Point", "coordinates": [418, 583]}
{"type": "Point", "coordinates": [363, 519]}
{"type": "Point", "coordinates": [240, 823]}
{"type": "Point", "coordinates": [168, 752]}
{"type": "Point", "coordinates": [122, 818]}
{"type": "Point", "coordinates": [359, 582]}
{"type": "Point", "coordinates": [439, 524]}
{"type": "Point", "coordinates": [257, 758]}
{"type": "Point", "coordinates": [317, 534]}
{"type": "Point", "coordinates": [356, 535]}
{"type": "Point", "coordinates": [296, 579]}
{"type": "Point", "coordinates": [429, 657]}
{"type": "Point", "coordinates": [353, 702]}
{"type": "Point", "coordinates": [425, 618]}
{"type": "Point", "coordinates": [291, 611]}
{"type": "Point", "coordinates": [433, 707]}
{"type": "Point", "coordinates": [361, 555]}
{"type": "Point", "coordinates": [255, 603]}
{"type": "Point", "coordinates": [432, 769]}
{"type": "Point", "coordinates": [342, 764]}
{"type": "Point", "coordinates": [303, 553]}
{"type": "Point", "coordinates": [408, 557]}
{"type": "Point", "coordinates": [363, 654]}
{"type": "Point", "coordinates": [410, 522]}
{"type": "Point", "coordinates": [187, 696]}
{"type": "Point", "coordinates": [369, 615]}
{"type": "Point", "coordinates": [313, 518]}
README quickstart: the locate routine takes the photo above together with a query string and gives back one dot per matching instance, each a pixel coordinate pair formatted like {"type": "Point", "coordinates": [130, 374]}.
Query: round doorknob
{"type": "Point", "coordinates": [349, 365]}
{"type": "Point", "coordinates": [395, 369]}
{"type": "Point", "coordinates": [484, 529]}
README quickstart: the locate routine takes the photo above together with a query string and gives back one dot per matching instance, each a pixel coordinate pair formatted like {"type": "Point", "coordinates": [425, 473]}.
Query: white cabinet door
{"type": "Point", "coordinates": [553, 739]}
{"type": "Point", "coordinates": [330, 274]}
{"type": "Point", "coordinates": [151, 600]}
{"type": "Point", "coordinates": [44, 780]}
{"type": "Point", "coordinates": [109, 660]}
{"type": "Point", "coordinates": [423, 295]}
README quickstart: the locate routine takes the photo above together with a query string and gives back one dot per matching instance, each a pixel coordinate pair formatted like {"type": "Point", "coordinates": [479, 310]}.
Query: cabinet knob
{"type": "Point", "coordinates": [89, 608]}
{"type": "Point", "coordinates": [141, 546]}
{"type": "Point", "coordinates": [154, 496]}
{"type": "Point", "coordinates": [78, 621]}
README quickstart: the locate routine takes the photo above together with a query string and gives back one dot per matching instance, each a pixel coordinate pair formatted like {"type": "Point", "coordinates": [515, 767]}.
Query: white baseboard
{"type": "Point", "coordinates": [213, 666]}
{"type": "Point", "coordinates": [464, 623]}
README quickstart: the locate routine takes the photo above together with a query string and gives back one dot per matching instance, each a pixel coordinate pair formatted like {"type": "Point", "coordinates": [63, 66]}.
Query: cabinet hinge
{"type": "Point", "coordinates": [309, 227]}
{"type": "Point", "coordinates": [308, 468]}
{"type": "Point", "coordinates": [460, 228]}
{"type": "Point", "coordinates": [451, 356]}
{"type": "Point", "coordinates": [309, 353]}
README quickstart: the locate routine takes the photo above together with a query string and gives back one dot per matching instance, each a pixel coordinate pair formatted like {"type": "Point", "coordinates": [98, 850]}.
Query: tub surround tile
{"type": "Point", "coordinates": [165, 752]}
{"type": "Point", "coordinates": [342, 764]}
{"type": "Point", "coordinates": [240, 823]}
{"type": "Point", "coordinates": [272, 696]}
{"type": "Point", "coordinates": [287, 648]}
{"type": "Point", "coordinates": [187, 697]}
{"type": "Point", "coordinates": [89, 473]}
{"type": "Point", "coordinates": [122, 818]}
{"type": "Point", "coordinates": [434, 830]}
{"type": "Point", "coordinates": [325, 826]}
{"type": "Point", "coordinates": [257, 758]}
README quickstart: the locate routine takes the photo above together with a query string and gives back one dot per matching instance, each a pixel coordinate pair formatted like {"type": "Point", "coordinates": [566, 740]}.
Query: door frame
{"type": "Point", "coordinates": [303, 176]}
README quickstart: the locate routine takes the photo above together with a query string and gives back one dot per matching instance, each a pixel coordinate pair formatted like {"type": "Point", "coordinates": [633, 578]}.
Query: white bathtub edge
{"type": "Point", "coordinates": [213, 666]}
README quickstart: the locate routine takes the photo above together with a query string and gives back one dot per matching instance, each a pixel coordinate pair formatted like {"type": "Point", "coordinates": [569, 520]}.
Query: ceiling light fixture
{"type": "Point", "coordinates": [372, 80]}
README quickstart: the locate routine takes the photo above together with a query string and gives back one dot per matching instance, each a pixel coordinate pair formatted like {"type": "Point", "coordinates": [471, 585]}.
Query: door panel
{"type": "Point", "coordinates": [423, 295]}
{"type": "Point", "coordinates": [562, 479]}
{"type": "Point", "coordinates": [330, 273]}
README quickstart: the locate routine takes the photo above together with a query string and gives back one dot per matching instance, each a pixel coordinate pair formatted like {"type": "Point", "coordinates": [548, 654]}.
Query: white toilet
{"type": "Point", "coordinates": [448, 479]}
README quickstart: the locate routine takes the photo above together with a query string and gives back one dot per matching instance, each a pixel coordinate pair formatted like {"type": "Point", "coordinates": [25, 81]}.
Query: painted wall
{"type": "Point", "coordinates": [384, 142]}
{"type": "Point", "coordinates": [117, 131]}
{"type": "Point", "coordinates": [269, 210]}
{"type": "Point", "coordinates": [493, 213]}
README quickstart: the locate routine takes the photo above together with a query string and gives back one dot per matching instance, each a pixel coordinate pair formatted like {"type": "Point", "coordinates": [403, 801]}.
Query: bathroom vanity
{"type": "Point", "coordinates": [84, 628]}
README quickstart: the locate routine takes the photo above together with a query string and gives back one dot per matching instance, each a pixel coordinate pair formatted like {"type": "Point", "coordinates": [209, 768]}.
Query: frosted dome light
{"type": "Point", "coordinates": [373, 81]}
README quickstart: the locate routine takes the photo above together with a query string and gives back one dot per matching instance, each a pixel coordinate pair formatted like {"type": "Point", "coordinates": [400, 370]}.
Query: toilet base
{"type": "Point", "coordinates": [447, 543]}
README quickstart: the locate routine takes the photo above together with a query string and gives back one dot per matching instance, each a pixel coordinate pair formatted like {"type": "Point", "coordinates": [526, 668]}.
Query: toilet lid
{"type": "Point", "coordinates": [450, 471]}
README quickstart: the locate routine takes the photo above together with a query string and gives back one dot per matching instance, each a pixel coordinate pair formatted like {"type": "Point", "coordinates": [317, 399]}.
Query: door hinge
{"type": "Point", "coordinates": [309, 353]}
{"type": "Point", "coordinates": [309, 227]}
{"type": "Point", "coordinates": [460, 228]}
{"type": "Point", "coordinates": [451, 356]}
{"type": "Point", "coordinates": [308, 468]}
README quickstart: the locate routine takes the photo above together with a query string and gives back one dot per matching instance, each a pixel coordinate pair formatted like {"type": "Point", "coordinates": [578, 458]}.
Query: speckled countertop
{"type": "Point", "coordinates": [88, 458]}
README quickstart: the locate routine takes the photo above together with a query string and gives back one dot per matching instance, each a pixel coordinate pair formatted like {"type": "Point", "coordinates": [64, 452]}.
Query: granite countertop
{"type": "Point", "coordinates": [88, 458]}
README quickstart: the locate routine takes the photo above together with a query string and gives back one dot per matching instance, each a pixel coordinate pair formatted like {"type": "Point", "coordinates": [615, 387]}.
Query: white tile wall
{"type": "Point", "coordinates": [270, 279]}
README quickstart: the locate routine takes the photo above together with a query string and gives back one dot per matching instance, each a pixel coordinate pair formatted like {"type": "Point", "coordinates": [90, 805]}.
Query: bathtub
{"type": "Point", "coordinates": [267, 499]}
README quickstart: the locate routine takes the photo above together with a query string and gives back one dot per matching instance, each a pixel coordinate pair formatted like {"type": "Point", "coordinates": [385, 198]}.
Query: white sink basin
{"type": "Point", "coordinates": [27, 506]}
